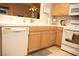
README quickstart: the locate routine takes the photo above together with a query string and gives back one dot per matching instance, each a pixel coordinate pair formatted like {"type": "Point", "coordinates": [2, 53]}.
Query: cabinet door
{"type": "Point", "coordinates": [60, 9]}
{"type": "Point", "coordinates": [52, 38]}
{"type": "Point", "coordinates": [44, 39]}
{"type": "Point", "coordinates": [34, 41]}
{"type": "Point", "coordinates": [59, 38]}
{"type": "Point", "coordinates": [48, 38]}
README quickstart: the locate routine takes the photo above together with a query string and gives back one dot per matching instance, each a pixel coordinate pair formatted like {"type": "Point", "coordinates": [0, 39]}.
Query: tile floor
{"type": "Point", "coordinates": [52, 51]}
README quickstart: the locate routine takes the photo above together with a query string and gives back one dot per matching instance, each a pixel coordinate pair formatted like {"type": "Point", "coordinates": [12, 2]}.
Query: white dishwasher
{"type": "Point", "coordinates": [14, 41]}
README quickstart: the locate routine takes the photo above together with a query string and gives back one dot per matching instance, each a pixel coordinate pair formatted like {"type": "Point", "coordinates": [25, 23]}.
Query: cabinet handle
{"type": "Point", "coordinates": [16, 31]}
{"type": "Point", "coordinates": [7, 28]}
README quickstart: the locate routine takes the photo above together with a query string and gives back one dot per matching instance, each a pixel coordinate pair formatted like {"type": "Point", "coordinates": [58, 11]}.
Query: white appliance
{"type": "Point", "coordinates": [14, 41]}
{"type": "Point", "coordinates": [70, 40]}
{"type": "Point", "coordinates": [74, 9]}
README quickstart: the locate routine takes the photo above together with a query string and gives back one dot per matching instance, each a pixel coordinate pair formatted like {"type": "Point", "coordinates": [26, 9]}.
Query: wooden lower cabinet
{"type": "Point", "coordinates": [59, 37]}
{"type": "Point", "coordinates": [44, 37]}
{"type": "Point", "coordinates": [48, 38]}
{"type": "Point", "coordinates": [34, 41]}
{"type": "Point", "coordinates": [52, 38]}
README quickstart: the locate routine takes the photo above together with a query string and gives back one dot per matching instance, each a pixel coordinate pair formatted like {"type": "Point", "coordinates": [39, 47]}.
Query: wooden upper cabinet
{"type": "Point", "coordinates": [60, 9]}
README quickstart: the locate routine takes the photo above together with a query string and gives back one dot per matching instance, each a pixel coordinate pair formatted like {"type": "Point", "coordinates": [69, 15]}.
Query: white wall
{"type": "Point", "coordinates": [43, 16]}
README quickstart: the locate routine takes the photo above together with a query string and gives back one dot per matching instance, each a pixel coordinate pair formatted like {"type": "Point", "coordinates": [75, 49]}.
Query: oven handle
{"type": "Point", "coordinates": [72, 30]}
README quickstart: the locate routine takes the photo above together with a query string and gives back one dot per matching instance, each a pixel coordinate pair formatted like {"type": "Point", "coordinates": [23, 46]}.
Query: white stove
{"type": "Point", "coordinates": [70, 39]}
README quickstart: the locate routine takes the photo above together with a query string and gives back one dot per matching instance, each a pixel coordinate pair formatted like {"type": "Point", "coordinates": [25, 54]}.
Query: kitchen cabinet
{"type": "Point", "coordinates": [34, 41]}
{"type": "Point", "coordinates": [52, 38]}
{"type": "Point", "coordinates": [48, 38]}
{"type": "Point", "coordinates": [59, 36]}
{"type": "Point", "coordinates": [41, 37]}
{"type": "Point", "coordinates": [45, 39]}
{"type": "Point", "coordinates": [60, 9]}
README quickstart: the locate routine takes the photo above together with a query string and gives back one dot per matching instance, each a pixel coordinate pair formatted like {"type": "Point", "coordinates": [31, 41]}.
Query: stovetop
{"type": "Point", "coordinates": [72, 27]}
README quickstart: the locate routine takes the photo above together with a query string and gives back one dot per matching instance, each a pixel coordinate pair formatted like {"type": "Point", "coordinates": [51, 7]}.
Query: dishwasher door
{"type": "Point", "coordinates": [14, 41]}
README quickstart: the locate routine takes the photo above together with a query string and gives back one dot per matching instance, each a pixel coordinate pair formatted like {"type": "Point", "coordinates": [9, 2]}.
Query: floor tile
{"type": "Point", "coordinates": [52, 51]}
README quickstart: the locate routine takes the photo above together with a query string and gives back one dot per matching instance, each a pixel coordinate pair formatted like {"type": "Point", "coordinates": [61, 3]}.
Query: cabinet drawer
{"type": "Point", "coordinates": [60, 28]}
{"type": "Point", "coordinates": [53, 27]}
{"type": "Point", "coordinates": [51, 43]}
{"type": "Point", "coordinates": [39, 28]}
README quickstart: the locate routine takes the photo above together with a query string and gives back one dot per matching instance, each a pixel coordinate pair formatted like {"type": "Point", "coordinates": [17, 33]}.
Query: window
{"type": "Point", "coordinates": [3, 10]}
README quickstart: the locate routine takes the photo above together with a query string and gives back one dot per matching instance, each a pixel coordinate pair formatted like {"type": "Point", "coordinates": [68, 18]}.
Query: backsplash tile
{"type": "Point", "coordinates": [58, 19]}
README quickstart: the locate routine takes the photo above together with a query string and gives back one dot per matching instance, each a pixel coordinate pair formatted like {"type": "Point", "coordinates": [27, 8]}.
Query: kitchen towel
{"type": "Point", "coordinates": [69, 35]}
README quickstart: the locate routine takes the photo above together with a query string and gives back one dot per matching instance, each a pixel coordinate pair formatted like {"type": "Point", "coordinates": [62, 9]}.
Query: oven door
{"type": "Point", "coordinates": [71, 38]}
